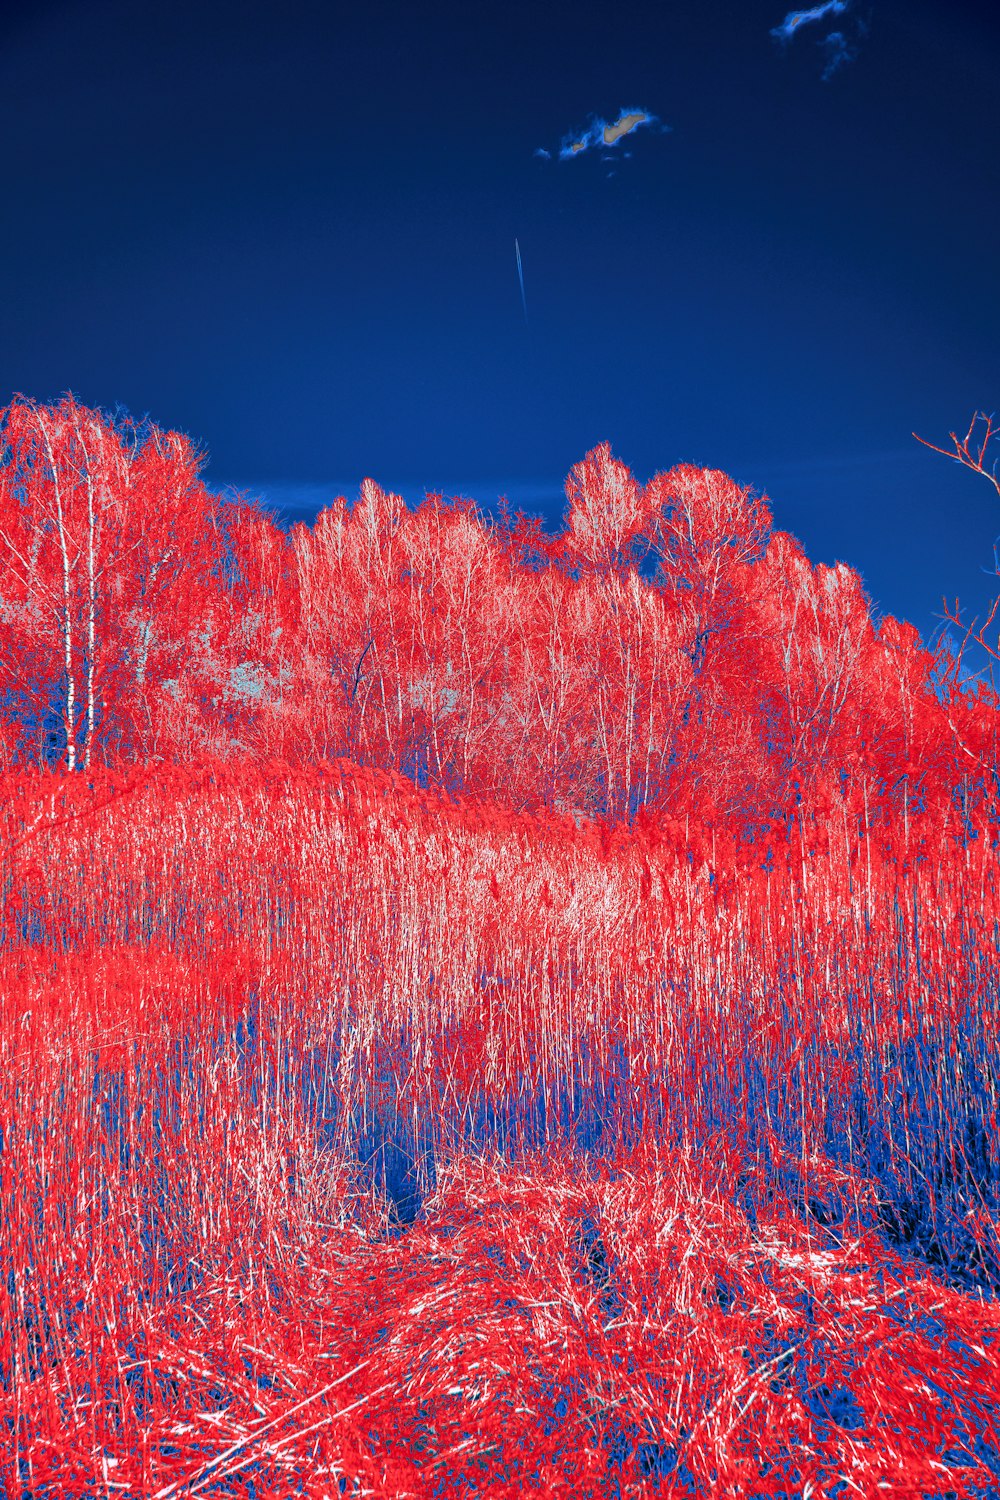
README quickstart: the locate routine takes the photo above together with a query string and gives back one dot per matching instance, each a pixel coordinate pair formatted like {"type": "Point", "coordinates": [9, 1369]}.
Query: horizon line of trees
{"type": "Point", "coordinates": [669, 651]}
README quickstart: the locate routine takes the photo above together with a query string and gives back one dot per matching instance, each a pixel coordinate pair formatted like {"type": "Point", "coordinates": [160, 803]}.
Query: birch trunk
{"type": "Point", "coordinates": [69, 712]}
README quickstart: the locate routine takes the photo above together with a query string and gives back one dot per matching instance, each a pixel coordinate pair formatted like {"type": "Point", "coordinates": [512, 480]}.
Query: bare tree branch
{"type": "Point", "coordinates": [970, 450]}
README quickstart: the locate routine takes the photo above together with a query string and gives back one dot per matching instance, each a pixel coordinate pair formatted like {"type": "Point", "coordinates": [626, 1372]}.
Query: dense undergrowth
{"type": "Point", "coordinates": [481, 1012]}
{"type": "Point", "coordinates": [361, 1142]}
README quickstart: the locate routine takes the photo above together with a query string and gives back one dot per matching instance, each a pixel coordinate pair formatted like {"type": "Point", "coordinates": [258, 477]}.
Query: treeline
{"type": "Point", "coordinates": [668, 651]}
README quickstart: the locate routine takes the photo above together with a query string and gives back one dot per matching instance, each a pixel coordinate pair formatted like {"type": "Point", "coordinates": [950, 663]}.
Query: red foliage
{"type": "Point", "coordinates": [226, 980]}
{"type": "Point", "coordinates": [665, 652]}
{"type": "Point", "coordinates": [625, 902]}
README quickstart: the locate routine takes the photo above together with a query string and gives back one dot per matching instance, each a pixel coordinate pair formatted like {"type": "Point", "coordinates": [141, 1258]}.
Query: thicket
{"type": "Point", "coordinates": [667, 651]}
{"type": "Point", "coordinates": [479, 1012]}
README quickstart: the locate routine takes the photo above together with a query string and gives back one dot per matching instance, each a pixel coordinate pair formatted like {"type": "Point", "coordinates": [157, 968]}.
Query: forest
{"type": "Point", "coordinates": [483, 1011]}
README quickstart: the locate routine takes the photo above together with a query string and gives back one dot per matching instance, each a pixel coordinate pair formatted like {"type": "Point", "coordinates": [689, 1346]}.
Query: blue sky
{"type": "Point", "coordinates": [289, 231]}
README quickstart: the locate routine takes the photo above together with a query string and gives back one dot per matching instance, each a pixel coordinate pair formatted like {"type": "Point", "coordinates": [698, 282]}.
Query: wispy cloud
{"type": "Point", "coordinates": [838, 45]}
{"type": "Point", "coordinates": [290, 499]}
{"type": "Point", "coordinates": [838, 51]}
{"type": "Point", "coordinates": [603, 135]}
{"type": "Point", "coordinates": [796, 19]}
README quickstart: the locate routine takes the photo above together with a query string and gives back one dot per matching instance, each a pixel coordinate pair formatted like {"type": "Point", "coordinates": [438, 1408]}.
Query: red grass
{"type": "Point", "coordinates": [202, 1279]}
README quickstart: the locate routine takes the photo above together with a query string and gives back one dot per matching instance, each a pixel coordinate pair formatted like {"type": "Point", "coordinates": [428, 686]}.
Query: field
{"type": "Point", "coordinates": [364, 1140]}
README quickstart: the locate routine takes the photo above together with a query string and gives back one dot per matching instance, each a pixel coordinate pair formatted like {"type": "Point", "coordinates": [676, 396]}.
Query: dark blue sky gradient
{"type": "Point", "coordinates": [289, 231]}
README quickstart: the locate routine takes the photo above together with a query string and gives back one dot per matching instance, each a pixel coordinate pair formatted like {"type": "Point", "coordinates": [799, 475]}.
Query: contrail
{"type": "Point", "coordinates": [520, 277]}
